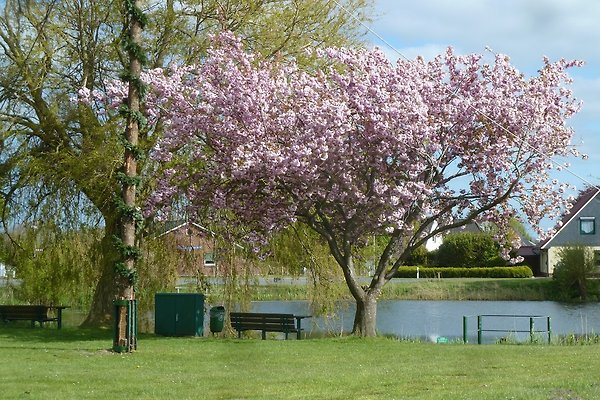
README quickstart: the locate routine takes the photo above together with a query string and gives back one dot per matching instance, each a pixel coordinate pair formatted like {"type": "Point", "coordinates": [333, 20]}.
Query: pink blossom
{"type": "Point", "coordinates": [363, 146]}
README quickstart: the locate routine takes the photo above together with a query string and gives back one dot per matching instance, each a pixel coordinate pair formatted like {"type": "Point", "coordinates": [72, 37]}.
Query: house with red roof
{"type": "Point", "coordinates": [579, 227]}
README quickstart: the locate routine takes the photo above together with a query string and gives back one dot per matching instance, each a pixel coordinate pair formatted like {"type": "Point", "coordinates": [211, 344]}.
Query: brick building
{"type": "Point", "coordinates": [196, 246]}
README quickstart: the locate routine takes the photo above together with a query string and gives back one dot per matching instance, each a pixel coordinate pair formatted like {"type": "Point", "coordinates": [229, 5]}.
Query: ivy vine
{"type": "Point", "coordinates": [127, 180]}
{"type": "Point", "coordinates": [130, 275]}
{"type": "Point", "coordinates": [131, 213]}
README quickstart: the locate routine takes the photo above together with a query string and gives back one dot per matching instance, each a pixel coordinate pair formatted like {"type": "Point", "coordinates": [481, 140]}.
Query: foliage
{"type": "Point", "coordinates": [55, 267]}
{"type": "Point", "coordinates": [575, 266]}
{"type": "Point", "coordinates": [59, 157]}
{"type": "Point", "coordinates": [60, 267]}
{"type": "Point", "coordinates": [362, 148]}
{"type": "Point", "coordinates": [157, 269]}
{"type": "Point", "coordinates": [294, 250]}
{"type": "Point", "coordinates": [465, 272]}
{"type": "Point", "coordinates": [579, 339]}
{"type": "Point", "coordinates": [420, 256]}
{"type": "Point", "coordinates": [469, 249]}
{"type": "Point", "coordinates": [300, 250]}
{"type": "Point", "coordinates": [238, 274]}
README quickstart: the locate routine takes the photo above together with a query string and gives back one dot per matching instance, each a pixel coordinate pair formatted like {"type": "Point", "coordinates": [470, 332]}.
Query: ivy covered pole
{"type": "Point", "coordinates": [125, 322]}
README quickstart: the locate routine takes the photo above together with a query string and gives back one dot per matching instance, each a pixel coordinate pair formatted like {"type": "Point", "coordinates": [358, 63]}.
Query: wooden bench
{"type": "Point", "coordinates": [267, 322]}
{"type": "Point", "coordinates": [34, 313]}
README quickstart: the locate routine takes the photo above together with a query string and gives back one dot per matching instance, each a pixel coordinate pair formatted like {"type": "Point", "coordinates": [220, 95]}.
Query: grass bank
{"type": "Point", "coordinates": [534, 289]}
{"type": "Point", "coordinates": [74, 364]}
{"type": "Point", "coordinates": [471, 289]}
{"type": "Point", "coordinates": [431, 289]}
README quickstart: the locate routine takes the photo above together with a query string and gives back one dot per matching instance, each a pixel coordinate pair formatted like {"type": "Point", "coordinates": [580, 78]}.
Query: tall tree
{"type": "Point", "coordinates": [364, 148]}
{"type": "Point", "coordinates": [55, 151]}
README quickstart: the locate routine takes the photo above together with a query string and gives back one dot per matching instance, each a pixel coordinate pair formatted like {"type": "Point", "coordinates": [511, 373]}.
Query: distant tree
{"type": "Point", "coordinates": [54, 266]}
{"type": "Point", "coordinates": [469, 249]}
{"type": "Point", "coordinates": [419, 256]}
{"type": "Point", "coordinates": [575, 266]}
{"type": "Point", "coordinates": [520, 230]}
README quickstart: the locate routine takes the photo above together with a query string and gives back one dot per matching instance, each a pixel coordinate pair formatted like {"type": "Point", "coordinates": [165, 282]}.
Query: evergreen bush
{"type": "Point", "coordinates": [521, 271]}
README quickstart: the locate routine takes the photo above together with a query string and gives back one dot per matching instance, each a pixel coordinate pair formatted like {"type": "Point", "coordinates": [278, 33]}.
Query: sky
{"type": "Point", "coordinates": [526, 31]}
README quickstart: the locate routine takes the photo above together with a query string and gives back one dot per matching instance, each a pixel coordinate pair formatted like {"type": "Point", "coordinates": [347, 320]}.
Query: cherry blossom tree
{"type": "Point", "coordinates": [363, 147]}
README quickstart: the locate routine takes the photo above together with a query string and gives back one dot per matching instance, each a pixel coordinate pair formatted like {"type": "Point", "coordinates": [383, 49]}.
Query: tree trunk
{"type": "Point", "coordinates": [366, 316]}
{"type": "Point", "coordinates": [101, 309]}
{"type": "Point", "coordinates": [366, 296]}
{"type": "Point", "coordinates": [582, 288]}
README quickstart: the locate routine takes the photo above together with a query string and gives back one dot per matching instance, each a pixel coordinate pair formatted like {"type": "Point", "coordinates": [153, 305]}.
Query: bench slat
{"type": "Point", "coordinates": [264, 320]}
{"type": "Point", "coordinates": [264, 327]}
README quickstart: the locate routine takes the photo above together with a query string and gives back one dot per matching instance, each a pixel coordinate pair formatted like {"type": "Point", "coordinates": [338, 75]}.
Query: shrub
{"type": "Point", "coordinates": [521, 271]}
{"type": "Point", "coordinates": [574, 268]}
{"type": "Point", "coordinates": [419, 256]}
{"type": "Point", "coordinates": [469, 249]}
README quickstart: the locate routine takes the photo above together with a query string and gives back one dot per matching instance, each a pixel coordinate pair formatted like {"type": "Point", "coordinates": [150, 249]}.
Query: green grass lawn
{"type": "Point", "coordinates": [75, 364]}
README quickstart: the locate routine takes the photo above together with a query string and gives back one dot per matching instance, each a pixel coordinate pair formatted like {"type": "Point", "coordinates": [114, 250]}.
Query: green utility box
{"type": "Point", "coordinates": [179, 314]}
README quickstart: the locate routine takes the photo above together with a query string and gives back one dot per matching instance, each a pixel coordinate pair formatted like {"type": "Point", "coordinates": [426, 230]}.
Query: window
{"type": "Point", "coordinates": [209, 260]}
{"type": "Point", "coordinates": [587, 225]}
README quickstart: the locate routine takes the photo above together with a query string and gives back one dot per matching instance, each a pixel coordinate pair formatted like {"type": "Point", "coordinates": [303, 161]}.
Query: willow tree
{"type": "Point", "coordinates": [64, 155]}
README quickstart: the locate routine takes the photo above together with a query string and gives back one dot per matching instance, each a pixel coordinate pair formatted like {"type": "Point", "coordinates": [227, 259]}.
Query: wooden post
{"type": "Point", "coordinates": [123, 340]}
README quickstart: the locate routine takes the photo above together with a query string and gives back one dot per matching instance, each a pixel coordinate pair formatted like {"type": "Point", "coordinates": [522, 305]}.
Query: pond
{"type": "Point", "coordinates": [430, 320]}
{"type": "Point", "coordinates": [426, 319]}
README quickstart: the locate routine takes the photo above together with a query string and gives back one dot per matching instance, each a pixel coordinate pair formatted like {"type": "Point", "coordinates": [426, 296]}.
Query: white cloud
{"type": "Point", "coordinates": [525, 30]}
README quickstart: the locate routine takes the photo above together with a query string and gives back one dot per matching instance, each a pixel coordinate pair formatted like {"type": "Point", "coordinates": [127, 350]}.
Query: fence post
{"type": "Point", "coordinates": [479, 318]}
{"type": "Point", "coordinates": [549, 330]}
{"type": "Point", "coordinates": [531, 328]}
{"type": "Point", "coordinates": [464, 329]}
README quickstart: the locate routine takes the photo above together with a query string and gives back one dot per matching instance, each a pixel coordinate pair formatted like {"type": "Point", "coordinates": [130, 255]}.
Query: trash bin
{"type": "Point", "coordinates": [217, 319]}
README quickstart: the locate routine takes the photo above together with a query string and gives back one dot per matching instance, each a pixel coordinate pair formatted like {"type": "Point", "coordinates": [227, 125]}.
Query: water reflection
{"type": "Point", "coordinates": [433, 319]}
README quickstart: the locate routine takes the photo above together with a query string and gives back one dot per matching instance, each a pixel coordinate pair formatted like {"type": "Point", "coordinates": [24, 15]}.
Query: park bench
{"type": "Point", "coordinates": [33, 313]}
{"type": "Point", "coordinates": [267, 322]}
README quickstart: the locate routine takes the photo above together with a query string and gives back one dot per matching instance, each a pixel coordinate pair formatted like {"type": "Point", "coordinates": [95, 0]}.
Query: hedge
{"type": "Point", "coordinates": [521, 271]}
